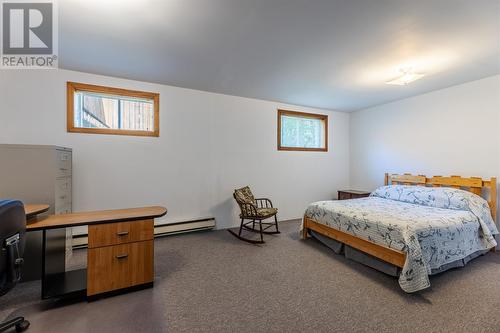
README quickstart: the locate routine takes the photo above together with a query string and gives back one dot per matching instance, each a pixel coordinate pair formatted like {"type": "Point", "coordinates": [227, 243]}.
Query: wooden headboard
{"type": "Point", "coordinates": [472, 184]}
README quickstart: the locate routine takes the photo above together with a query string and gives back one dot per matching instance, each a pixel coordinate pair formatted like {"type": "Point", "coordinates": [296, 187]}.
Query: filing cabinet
{"type": "Point", "coordinates": [39, 174]}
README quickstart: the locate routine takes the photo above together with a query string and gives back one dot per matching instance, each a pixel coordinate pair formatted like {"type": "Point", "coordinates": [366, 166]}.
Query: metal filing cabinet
{"type": "Point", "coordinates": [39, 174]}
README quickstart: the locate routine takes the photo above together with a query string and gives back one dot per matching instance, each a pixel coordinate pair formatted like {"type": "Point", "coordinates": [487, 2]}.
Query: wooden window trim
{"type": "Point", "coordinates": [73, 87]}
{"type": "Point", "coordinates": [322, 117]}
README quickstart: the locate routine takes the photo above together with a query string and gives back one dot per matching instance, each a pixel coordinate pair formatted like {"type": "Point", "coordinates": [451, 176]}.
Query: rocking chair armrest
{"type": "Point", "coordinates": [260, 202]}
{"type": "Point", "coordinates": [248, 209]}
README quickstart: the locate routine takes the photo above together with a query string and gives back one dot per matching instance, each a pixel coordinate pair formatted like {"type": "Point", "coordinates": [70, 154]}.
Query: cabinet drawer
{"type": "Point", "coordinates": [63, 208]}
{"type": "Point", "coordinates": [120, 233]}
{"type": "Point", "coordinates": [361, 195]}
{"type": "Point", "coordinates": [120, 266]}
{"type": "Point", "coordinates": [344, 196]}
{"type": "Point", "coordinates": [63, 186]}
{"type": "Point", "coordinates": [63, 163]}
{"type": "Point", "coordinates": [63, 198]}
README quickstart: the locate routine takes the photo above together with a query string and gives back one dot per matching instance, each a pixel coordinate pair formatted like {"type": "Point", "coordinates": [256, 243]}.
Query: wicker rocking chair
{"type": "Point", "coordinates": [254, 210]}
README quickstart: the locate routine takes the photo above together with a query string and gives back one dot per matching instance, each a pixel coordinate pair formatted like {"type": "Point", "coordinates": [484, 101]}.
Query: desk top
{"type": "Point", "coordinates": [32, 210]}
{"type": "Point", "coordinates": [97, 217]}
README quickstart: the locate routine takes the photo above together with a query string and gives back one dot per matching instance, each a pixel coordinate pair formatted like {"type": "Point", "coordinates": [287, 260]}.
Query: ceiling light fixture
{"type": "Point", "coordinates": [407, 77]}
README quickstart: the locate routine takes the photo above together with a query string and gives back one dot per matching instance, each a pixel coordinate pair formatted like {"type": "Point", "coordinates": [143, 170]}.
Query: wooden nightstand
{"type": "Point", "coordinates": [352, 194]}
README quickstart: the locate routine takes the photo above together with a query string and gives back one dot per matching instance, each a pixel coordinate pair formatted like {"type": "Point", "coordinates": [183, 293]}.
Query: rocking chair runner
{"type": "Point", "coordinates": [254, 210]}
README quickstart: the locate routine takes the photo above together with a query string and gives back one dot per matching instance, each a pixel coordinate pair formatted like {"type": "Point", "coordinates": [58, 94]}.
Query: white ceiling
{"type": "Point", "coordinates": [333, 54]}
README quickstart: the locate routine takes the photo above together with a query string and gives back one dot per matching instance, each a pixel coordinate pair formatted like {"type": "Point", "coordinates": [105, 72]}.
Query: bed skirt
{"type": "Point", "coordinates": [380, 265]}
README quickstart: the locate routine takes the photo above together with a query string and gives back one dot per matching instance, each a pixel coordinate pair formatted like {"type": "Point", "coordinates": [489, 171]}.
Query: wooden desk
{"type": "Point", "coordinates": [33, 210]}
{"type": "Point", "coordinates": [120, 253]}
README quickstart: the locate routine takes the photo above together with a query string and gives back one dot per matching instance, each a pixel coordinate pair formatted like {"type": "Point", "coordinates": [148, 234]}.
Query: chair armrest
{"type": "Point", "coordinates": [248, 209]}
{"type": "Point", "coordinates": [261, 201]}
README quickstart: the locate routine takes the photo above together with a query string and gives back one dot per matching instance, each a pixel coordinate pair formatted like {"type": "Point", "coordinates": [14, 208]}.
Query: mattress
{"type": "Point", "coordinates": [434, 227]}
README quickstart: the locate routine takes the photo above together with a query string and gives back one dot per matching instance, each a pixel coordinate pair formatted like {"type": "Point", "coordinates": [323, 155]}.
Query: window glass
{"type": "Point", "coordinates": [96, 109]}
{"type": "Point", "coordinates": [302, 131]}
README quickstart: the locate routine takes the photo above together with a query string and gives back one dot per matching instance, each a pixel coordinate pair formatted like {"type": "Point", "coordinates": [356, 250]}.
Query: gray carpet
{"type": "Point", "coordinates": [212, 282]}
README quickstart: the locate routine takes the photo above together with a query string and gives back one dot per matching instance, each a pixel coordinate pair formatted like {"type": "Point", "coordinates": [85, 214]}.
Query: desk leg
{"type": "Point", "coordinates": [56, 282]}
{"type": "Point", "coordinates": [54, 255]}
{"type": "Point", "coordinates": [33, 253]}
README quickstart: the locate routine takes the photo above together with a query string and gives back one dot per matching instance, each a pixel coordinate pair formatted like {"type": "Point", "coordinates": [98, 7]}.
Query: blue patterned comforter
{"type": "Point", "coordinates": [434, 226]}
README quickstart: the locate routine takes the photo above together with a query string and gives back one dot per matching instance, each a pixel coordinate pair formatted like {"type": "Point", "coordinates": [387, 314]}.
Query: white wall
{"type": "Point", "coordinates": [445, 132]}
{"type": "Point", "coordinates": [453, 131]}
{"type": "Point", "coordinates": [209, 144]}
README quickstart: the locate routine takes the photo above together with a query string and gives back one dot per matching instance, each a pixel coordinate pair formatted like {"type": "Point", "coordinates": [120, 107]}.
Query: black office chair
{"type": "Point", "coordinates": [12, 230]}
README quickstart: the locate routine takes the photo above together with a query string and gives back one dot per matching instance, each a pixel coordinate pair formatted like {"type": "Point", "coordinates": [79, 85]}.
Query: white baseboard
{"type": "Point", "coordinates": [81, 240]}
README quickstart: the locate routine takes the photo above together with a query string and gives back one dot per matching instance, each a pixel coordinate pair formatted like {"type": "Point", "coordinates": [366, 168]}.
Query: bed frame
{"type": "Point", "coordinates": [396, 257]}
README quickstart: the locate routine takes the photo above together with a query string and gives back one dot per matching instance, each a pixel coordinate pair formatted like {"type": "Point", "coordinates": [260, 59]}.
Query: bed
{"type": "Point", "coordinates": [416, 224]}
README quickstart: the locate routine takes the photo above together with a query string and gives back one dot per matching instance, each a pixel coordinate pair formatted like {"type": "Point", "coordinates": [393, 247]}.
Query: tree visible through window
{"type": "Point", "coordinates": [302, 131]}
{"type": "Point", "coordinates": [94, 109]}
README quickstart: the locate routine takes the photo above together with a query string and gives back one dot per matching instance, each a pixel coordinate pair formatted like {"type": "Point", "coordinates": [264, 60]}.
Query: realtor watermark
{"type": "Point", "coordinates": [28, 34]}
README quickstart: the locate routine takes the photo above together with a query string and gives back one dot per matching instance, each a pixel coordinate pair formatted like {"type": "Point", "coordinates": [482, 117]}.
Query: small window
{"type": "Point", "coordinates": [104, 110]}
{"type": "Point", "coordinates": [302, 131]}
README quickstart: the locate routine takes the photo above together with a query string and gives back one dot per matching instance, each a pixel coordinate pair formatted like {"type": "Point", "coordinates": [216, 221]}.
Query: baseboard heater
{"type": "Point", "coordinates": [161, 230]}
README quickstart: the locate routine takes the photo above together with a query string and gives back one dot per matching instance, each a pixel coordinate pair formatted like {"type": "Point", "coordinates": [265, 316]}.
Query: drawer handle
{"type": "Point", "coordinates": [122, 233]}
{"type": "Point", "coordinates": [121, 256]}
